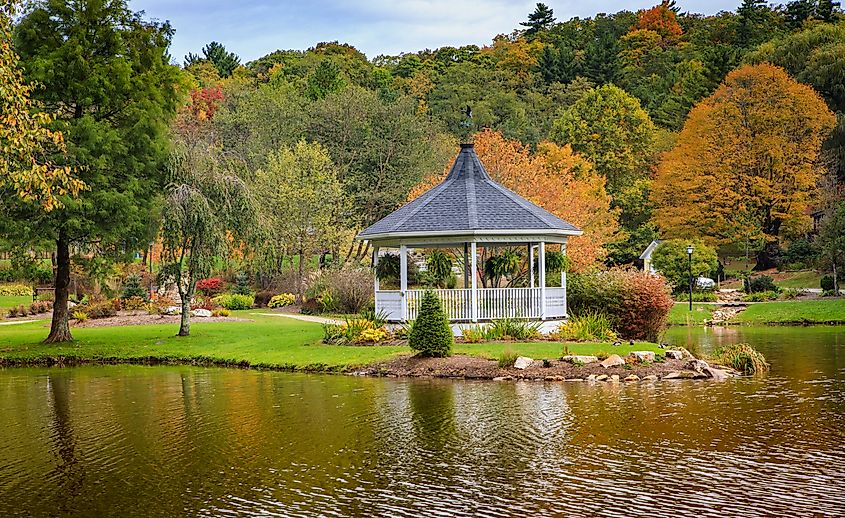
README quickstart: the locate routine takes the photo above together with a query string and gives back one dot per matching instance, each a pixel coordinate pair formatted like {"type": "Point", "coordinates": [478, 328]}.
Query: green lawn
{"type": "Point", "coordinates": [803, 279]}
{"type": "Point", "coordinates": [680, 315]}
{"type": "Point", "coordinates": [795, 312]}
{"type": "Point", "coordinates": [268, 341]}
{"type": "Point", "coordinates": [7, 301]}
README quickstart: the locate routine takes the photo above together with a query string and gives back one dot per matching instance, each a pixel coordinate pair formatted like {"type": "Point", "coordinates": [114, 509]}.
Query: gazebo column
{"type": "Point", "coordinates": [474, 273]}
{"type": "Point", "coordinates": [531, 264]}
{"type": "Point", "coordinates": [563, 282]}
{"type": "Point", "coordinates": [542, 273]}
{"type": "Point", "coordinates": [403, 279]}
{"type": "Point", "coordinates": [375, 269]}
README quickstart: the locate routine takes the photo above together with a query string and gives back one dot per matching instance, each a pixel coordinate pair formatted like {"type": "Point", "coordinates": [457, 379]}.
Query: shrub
{"type": "Point", "coordinates": [310, 307]}
{"type": "Point", "coordinates": [134, 303]}
{"type": "Point", "coordinates": [512, 328]}
{"type": "Point", "coordinates": [19, 290]}
{"type": "Point", "coordinates": [373, 335]}
{"type": "Point", "coordinates": [801, 253]}
{"type": "Point", "coordinates": [79, 316]}
{"type": "Point", "coordinates": [262, 298]}
{"type": "Point", "coordinates": [234, 301]}
{"type": "Point", "coordinates": [281, 300]}
{"type": "Point", "coordinates": [507, 359]}
{"type": "Point", "coordinates": [242, 286]}
{"type": "Point", "coordinates": [132, 288]}
{"type": "Point", "coordinates": [589, 326]}
{"type": "Point", "coordinates": [334, 334]}
{"type": "Point", "coordinates": [761, 296]}
{"type": "Point", "coordinates": [637, 303]}
{"type": "Point", "coordinates": [102, 309]}
{"type": "Point", "coordinates": [829, 293]}
{"type": "Point", "coordinates": [36, 308]}
{"type": "Point", "coordinates": [789, 293]}
{"type": "Point", "coordinates": [762, 283]}
{"type": "Point", "coordinates": [826, 283]}
{"type": "Point", "coordinates": [697, 296]}
{"type": "Point", "coordinates": [351, 288]}
{"type": "Point", "coordinates": [472, 335]}
{"type": "Point", "coordinates": [741, 357]}
{"type": "Point", "coordinates": [221, 312]}
{"type": "Point", "coordinates": [47, 296]}
{"type": "Point", "coordinates": [210, 286]}
{"type": "Point", "coordinates": [430, 333]}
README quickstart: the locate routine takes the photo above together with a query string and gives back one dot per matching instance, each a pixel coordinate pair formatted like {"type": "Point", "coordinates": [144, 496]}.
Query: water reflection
{"type": "Point", "coordinates": [168, 441]}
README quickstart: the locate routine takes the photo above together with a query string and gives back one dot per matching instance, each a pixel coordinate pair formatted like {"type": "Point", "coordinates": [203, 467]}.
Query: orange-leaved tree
{"type": "Point", "coordinates": [555, 178]}
{"type": "Point", "coordinates": [662, 20]}
{"type": "Point", "coordinates": [746, 163]}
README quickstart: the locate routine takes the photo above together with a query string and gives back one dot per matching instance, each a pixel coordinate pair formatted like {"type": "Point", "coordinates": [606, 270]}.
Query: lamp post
{"type": "Point", "coordinates": [689, 255]}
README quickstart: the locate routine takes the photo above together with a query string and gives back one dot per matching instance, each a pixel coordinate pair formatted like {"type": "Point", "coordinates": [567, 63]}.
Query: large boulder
{"type": "Point", "coordinates": [717, 374]}
{"type": "Point", "coordinates": [675, 354]}
{"type": "Point", "coordinates": [642, 356]}
{"type": "Point", "coordinates": [697, 365]}
{"type": "Point", "coordinates": [200, 312]}
{"type": "Point", "coordinates": [522, 362]}
{"type": "Point", "coordinates": [684, 375]}
{"type": "Point", "coordinates": [614, 360]}
{"type": "Point", "coordinates": [172, 310]}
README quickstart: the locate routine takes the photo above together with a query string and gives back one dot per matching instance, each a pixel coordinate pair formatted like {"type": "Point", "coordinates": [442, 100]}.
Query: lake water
{"type": "Point", "coordinates": [164, 441]}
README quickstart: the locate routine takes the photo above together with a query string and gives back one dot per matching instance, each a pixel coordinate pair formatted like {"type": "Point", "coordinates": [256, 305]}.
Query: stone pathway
{"type": "Point", "coordinates": [306, 318]}
{"type": "Point", "coordinates": [18, 322]}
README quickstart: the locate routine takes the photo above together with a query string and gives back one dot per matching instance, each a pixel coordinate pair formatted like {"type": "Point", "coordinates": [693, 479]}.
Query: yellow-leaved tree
{"type": "Point", "coordinates": [746, 164]}
{"type": "Point", "coordinates": [555, 178]}
{"type": "Point", "coordinates": [25, 140]}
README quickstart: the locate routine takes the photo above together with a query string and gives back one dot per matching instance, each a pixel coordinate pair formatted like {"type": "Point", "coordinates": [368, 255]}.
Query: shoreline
{"type": "Point", "coordinates": [411, 366]}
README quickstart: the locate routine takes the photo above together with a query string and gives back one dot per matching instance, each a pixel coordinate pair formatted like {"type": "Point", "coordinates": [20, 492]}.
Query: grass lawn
{"type": "Point", "coordinates": [795, 312]}
{"type": "Point", "coordinates": [803, 279]}
{"type": "Point", "coordinates": [8, 301]}
{"type": "Point", "coordinates": [680, 315]}
{"type": "Point", "coordinates": [268, 341]}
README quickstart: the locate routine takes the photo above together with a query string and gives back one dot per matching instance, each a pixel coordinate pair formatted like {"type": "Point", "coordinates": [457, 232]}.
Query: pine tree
{"type": "Point", "coordinates": [132, 288]}
{"type": "Point", "coordinates": [242, 286]}
{"type": "Point", "coordinates": [431, 334]}
{"type": "Point", "coordinates": [539, 21]}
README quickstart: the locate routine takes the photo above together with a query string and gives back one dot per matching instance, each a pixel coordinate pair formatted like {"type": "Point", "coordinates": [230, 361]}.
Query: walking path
{"type": "Point", "coordinates": [306, 318]}
{"type": "Point", "coordinates": [17, 322]}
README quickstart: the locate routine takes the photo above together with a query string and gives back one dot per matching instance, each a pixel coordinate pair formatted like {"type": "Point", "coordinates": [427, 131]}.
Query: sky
{"type": "Point", "coordinates": [254, 28]}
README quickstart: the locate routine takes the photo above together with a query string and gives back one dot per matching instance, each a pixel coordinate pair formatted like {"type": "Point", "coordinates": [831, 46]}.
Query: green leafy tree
{"type": "Point", "coordinates": [25, 137]}
{"type": "Point", "coordinates": [105, 79]}
{"type": "Point", "coordinates": [831, 242]}
{"type": "Point", "coordinates": [609, 127]}
{"type": "Point", "coordinates": [671, 260]}
{"type": "Point", "coordinates": [430, 333]}
{"type": "Point", "coordinates": [326, 79]}
{"type": "Point", "coordinates": [206, 209]}
{"type": "Point", "coordinates": [224, 61]}
{"type": "Point", "coordinates": [303, 206]}
{"type": "Point", "coordinates": [539, 21]}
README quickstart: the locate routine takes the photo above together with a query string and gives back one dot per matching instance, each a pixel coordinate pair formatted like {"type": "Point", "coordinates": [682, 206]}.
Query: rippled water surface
{"type": "Point", "coordinates": [146, 441]}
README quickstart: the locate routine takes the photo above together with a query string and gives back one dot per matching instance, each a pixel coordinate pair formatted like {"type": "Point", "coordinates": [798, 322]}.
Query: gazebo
{"type": "Point", "coordinates": [469, 210]}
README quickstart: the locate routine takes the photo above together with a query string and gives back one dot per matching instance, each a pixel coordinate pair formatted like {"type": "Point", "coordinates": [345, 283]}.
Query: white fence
{"type": "Point", "coordinates": [493, 303]}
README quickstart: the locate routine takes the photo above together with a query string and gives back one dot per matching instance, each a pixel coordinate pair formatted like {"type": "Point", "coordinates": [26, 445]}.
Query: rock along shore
{"type": "Point", "coordinates": [634, 367]}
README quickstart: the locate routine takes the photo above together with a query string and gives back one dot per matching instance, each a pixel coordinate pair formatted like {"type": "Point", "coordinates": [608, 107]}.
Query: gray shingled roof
{"type": "Point", "coordinates": [468, 200]}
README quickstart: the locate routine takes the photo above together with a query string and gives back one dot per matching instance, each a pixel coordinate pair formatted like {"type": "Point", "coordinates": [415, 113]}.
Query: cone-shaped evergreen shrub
{"type": "Point", "coordinates": [430, 334]}
{"type": "Point", "coordinates": [132, 288]}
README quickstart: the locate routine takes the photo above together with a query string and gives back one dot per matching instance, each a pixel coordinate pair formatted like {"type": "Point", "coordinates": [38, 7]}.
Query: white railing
{"type": "Point", "coordinates": [456, 303]}
{"type": "Point", "coordinates": [493, 303]}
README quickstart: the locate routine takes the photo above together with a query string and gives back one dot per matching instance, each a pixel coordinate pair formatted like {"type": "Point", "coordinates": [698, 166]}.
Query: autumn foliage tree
{"type": "Point", "coordinates": [555, 178]}
{"type": "Point", "coordinates": [746, 162]}
{"type": "Point", "coordinates": [25, 137]}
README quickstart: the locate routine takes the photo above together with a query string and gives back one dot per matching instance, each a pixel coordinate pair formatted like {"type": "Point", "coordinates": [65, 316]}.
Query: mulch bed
{"type": "Point", "coordinates": [129, 318]}
{"type": "Point", "coordinates": [470, 367]}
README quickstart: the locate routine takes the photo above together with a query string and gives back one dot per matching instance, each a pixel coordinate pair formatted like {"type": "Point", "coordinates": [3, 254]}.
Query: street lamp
{"type": "Point", "coordinates": [689, 254]}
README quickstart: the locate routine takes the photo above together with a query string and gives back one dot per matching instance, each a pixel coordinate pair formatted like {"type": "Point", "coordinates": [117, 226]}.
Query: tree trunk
{"type": "Point", "coordinates": [299, 291]}
{"type": "Point", "coordinates": [59, 328]}
{"type": "Point", "coordinates": [835, 279]}
{"type": "Point", "coordinates": [768, 257]}
{"type": "Point", "coordinates": [185, 322]}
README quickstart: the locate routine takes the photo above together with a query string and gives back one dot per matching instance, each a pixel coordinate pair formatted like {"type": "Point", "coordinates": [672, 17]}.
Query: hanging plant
{"type": "Point", "coordinates": [388, 267]}
{"type": "Point", "coordinates": [503, 265]}
{"type": "Point", "coordinates": [556, 262]}
{"type": "Point", "coordinates": [439, 266]}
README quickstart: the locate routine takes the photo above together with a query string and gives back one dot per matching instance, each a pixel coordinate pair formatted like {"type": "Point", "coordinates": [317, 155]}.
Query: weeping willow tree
{"type": "Point", "coordinates": [207, 210]}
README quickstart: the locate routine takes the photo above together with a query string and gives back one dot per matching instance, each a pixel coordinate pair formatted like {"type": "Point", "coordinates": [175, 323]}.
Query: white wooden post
{"type": "Point", "coordinates": [563, 282]}
{"type": "Point", "coordinates": [542, 268]}
{"type": "Point", "coordinates": [403, 279]}
{"type": "Point", "coordinates": [531, 263]}
{"type": "Point", "coordinates": [474, 274]}
{"type": "Point", "coordinates": [375, 270]}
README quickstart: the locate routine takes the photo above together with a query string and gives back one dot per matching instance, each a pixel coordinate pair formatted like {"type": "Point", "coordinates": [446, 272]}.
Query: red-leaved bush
{"type": "Point", "coordinates": [637, 302]}
{"type": "Point", "coordinates": [210, 286]}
